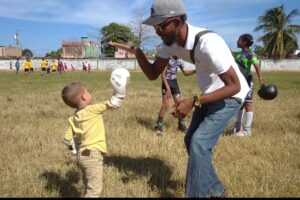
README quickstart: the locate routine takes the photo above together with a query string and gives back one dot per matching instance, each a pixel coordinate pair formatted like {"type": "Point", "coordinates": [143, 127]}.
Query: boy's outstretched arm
{"type": "Point", "coordinates": [67, 139]}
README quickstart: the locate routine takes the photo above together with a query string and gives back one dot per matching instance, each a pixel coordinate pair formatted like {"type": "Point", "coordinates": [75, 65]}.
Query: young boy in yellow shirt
{"type": "Point", "coordinates": [87, 126]}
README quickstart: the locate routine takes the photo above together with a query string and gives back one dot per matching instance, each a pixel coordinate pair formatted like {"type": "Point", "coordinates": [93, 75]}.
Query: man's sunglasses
{"type": "Point", "coordinates": [161, 27]}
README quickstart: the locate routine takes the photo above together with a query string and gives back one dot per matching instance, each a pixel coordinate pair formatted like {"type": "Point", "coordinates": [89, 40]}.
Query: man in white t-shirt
{"type": "Point", "coordinates": [222, 89]}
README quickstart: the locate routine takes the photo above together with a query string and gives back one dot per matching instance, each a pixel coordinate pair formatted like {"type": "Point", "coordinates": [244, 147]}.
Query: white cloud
{"type": "Point", "coordinates": [88, 12]}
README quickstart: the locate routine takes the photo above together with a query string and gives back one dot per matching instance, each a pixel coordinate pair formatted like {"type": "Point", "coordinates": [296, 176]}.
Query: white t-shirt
{"type": "Point", "coordinates": [212, 57]}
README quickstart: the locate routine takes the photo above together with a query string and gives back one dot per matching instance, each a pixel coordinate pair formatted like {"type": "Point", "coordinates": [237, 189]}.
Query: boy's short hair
{"type": "Point", "coordinates": [71, 94]}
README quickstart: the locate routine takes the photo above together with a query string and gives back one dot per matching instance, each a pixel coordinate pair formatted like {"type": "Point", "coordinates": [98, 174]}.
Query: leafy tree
{"type": "Point", "coordinates": [259, 51]}
{"type": "Point", "coordinates": [280, 35]}
{"type": "Point", "coordinates": [27, 53]}
{"type": "Point", "coordinates": [116, 33]}
{"type": "Point", "coordinates": [145, 35]}
{"type": "Point", "coordinates": [54, 54]}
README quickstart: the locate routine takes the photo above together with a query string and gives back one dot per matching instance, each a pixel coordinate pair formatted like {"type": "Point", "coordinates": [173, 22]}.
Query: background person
{"type": "Point", "coordinates": [84, 66]}
{"type": "Point", "coordinates": [65, 66]}
{"type": "Point", "coordinates": [27, 65]}
{"type": "Point", "coordinates": [245, 59]}
{"type": "Point", "coordinates": [43, 65]}
{"type": "Point", "coordinates": [10, 66]}
{"type": "Point", "coordinates": [89, 67]}
{"type": "Point", "coordinates": [31, 69]}
{"type": "Point", "coordinates": [60, 66]}
{"type": "Point", "coordinates": [222, 85]}
{"type": "Point", "coordinates": [170, 89]}
{"type": "Point", "coordinates": [73, 68]}
{"type": "Point", "coordinates": [53, 66]}
{"type": "Point", "coordinates": [17, 65]}
{"type": "Point", "coordinates": [48, 67]}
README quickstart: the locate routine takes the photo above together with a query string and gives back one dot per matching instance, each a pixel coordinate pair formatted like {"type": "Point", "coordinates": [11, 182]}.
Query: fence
{"type": "Point", "coordinates": [132, 64]}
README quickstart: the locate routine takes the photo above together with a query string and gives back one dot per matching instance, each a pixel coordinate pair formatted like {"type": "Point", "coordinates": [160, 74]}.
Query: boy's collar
{"type": "Point", "coordinates": [79, 109]}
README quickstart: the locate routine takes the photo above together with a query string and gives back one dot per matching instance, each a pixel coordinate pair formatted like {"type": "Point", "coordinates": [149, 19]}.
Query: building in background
{"type": "Point", "coordinates": [10, 52]}
{"type": "Point", "coordinates": [120, 53]}
{"type": "Point", "coordinates": [83, 48]}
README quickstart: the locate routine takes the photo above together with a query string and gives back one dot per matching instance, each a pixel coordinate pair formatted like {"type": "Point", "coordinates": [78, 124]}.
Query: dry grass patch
{"type": "Point", "coordinates": [34, 162]}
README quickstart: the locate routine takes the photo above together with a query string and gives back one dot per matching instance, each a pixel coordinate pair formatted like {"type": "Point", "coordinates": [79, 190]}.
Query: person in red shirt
{"type": "Point", "coordinates": [89, 67]}
{"type": "Point", "coordinates": [60, 66]}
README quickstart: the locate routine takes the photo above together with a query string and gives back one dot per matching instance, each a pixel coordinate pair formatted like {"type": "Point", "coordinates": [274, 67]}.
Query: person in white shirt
{"type": "Point", "coordinates": [223, 88]}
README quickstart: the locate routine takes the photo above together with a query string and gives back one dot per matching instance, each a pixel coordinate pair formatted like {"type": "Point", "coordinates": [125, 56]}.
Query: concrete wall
{"type": "Point", "coordinates": [131, 64]}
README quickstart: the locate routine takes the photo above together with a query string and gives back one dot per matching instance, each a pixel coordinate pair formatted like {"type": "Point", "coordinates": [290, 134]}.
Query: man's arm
{"type": "Point", "coordinates": [232, 86]}
{"type": "Point", "coordinates": [151, 70]}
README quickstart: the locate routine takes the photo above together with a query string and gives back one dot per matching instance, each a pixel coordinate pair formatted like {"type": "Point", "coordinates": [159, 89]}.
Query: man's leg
{"type": "Point", "coordinates": [202, 180]}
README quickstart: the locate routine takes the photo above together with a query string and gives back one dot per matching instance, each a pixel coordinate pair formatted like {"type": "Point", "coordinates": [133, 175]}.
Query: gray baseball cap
{"type": "Point", "coordinates": [161, 10]}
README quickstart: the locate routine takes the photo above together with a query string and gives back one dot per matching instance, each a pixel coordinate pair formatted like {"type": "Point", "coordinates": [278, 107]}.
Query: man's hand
{"type": "Point", "coordinates": [183, 108]}
{"type": "Point", "coordinates": [126, 47]}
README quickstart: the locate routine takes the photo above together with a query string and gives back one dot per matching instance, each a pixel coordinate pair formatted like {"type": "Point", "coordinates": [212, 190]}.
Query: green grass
{"type": "Point", "coordinates": [34, 162]}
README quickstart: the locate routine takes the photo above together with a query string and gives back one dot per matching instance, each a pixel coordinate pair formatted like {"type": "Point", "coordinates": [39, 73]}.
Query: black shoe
{"type": "Point", "coordinates": [159, 129]}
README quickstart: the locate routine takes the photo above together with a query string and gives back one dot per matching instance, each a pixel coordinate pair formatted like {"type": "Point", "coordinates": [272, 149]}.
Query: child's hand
{"type": "Point", "coordinates": [72, 150]}
{"type": "Point", "coordinates": [115, 102]}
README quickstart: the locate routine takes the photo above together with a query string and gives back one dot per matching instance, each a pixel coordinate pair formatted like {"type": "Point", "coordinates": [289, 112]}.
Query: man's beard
{"type": "Point", "coordinates": [170, 39]}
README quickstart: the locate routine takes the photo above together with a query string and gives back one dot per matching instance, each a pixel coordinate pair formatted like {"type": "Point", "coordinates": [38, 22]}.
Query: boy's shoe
{"type": "Point", "coordinates": [182, 127]}
{"type": "Point", "coordinates": [247, 131]}
{"type": "Point", "coordinates": [243, 132]}
{"type": "Point", "coordinates": [159, 128]}
{"type": "Point", "coordinates": [235, 130]}
{"type": "Point", "coordinates": [239, 133]}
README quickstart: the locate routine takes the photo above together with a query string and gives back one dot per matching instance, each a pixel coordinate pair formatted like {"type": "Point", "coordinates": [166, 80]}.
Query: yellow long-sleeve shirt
{"type": "Point", "coordinates": [87, 125]}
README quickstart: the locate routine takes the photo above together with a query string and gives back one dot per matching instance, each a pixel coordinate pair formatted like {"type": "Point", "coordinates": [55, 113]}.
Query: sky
{"type": "Point", "coordinates": [44, 24]}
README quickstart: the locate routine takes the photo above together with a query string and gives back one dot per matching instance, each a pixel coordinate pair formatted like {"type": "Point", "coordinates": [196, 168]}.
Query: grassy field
{"type": "Point", "coordinates": [34, 162]}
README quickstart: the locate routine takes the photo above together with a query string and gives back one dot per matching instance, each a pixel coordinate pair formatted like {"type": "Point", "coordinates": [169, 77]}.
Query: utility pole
{"type": "Point", "coordinates": [17, 38]}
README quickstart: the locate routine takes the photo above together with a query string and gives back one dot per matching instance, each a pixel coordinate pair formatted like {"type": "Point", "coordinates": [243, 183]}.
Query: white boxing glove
{"type": "Point", "coordinates": [119, 79]}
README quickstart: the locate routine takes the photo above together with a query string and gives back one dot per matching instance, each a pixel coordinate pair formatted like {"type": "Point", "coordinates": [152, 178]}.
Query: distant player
{"type": "Point", "coordinates": [245, 59]}
{"type": "Point", "coordinates": [27, 66]}
{"type": "Point", "coordinates": [17, 65]}
{"type": "Point", "coordinates": [10, 65]}
{"type": "Point", "coordinates": [170, 89]}
{"type": "Point", "coordinates": [43, 65]}
{"type": "Point", "coordinates": [73, 68]}
{"type": "Point", "coordinates": [53, 66]}
{"type": "Point", "coordinates": [65, 66]}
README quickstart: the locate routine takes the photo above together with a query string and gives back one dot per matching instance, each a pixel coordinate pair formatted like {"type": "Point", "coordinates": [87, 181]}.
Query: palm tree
{"type": "Point", "coordinates": [280, 35]}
